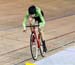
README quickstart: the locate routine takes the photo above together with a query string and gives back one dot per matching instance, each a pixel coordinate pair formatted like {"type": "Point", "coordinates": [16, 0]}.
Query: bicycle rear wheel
{"type": "Point", "coordinates": [41, 48]}
{"type": "Point", "coordinates": [33, 47]}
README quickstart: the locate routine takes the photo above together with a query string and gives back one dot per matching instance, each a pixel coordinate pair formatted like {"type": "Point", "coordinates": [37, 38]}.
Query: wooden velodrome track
{"type": "Point", "coordinates": [59, 30]}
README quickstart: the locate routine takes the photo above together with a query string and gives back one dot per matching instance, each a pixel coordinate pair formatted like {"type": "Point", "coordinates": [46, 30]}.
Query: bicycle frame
{"type": "Point", "coordinates": [35, 40]}
{"type": "Point", "coordinates": [36, 36]}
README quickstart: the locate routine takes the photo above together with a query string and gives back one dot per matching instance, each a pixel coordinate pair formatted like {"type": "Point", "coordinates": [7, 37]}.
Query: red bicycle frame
{"type": "Point", "coordinates": [37, 37]}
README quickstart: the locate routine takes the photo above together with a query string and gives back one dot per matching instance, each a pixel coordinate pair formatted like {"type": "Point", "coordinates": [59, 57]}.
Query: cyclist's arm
{"type": "Point", "coordinates": [25, 20]}
{"type": "Point", "coordinates": [42, 23]}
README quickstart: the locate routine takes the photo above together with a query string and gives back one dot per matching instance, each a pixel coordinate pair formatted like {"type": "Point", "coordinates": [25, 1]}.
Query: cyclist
{"type": "Point", "coordinates": [35, 14]}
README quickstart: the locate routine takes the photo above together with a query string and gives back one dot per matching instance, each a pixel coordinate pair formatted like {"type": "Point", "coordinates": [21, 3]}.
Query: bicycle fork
{"type": "Point", "coordinates": [38, 40]}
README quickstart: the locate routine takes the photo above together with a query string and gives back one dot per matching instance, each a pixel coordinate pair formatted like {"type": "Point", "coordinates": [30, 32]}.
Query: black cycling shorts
{"type": "Point", "coordinates": [38, 18]}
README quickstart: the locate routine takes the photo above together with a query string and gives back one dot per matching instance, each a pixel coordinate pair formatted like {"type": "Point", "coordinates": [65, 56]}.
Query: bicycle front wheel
{"type": "Point", "coordinates": [33, 47]}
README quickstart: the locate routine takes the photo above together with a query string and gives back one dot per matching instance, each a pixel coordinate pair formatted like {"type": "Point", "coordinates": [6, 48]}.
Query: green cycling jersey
{"type": "Point", "coordinates": [38, 13]}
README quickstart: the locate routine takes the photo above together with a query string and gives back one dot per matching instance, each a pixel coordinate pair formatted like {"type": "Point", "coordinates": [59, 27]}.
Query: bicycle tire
{"type": "Point", "coordinates": [41, 48]}
{"type": "Point", "coordinates": [33, 49]}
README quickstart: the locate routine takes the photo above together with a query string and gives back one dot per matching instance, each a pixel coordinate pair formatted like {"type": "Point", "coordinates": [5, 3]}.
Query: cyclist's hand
{"type": "Point", "coordinates": [24, 30]}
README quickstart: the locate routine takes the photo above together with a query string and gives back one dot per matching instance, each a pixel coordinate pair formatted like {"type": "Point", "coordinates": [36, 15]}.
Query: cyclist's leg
{"type": "Point", "coordinates": [41, 30]}
{"type": "Point", "coordinates": [31, 22]}
{"type": "Point", "coordinates": [43, 39]}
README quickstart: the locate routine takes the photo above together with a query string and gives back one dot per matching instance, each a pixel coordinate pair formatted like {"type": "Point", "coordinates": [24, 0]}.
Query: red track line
{"type": "Point", "coordinates": [61, 35]}
{"type": "Point", "coordinates": [14, 50]}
